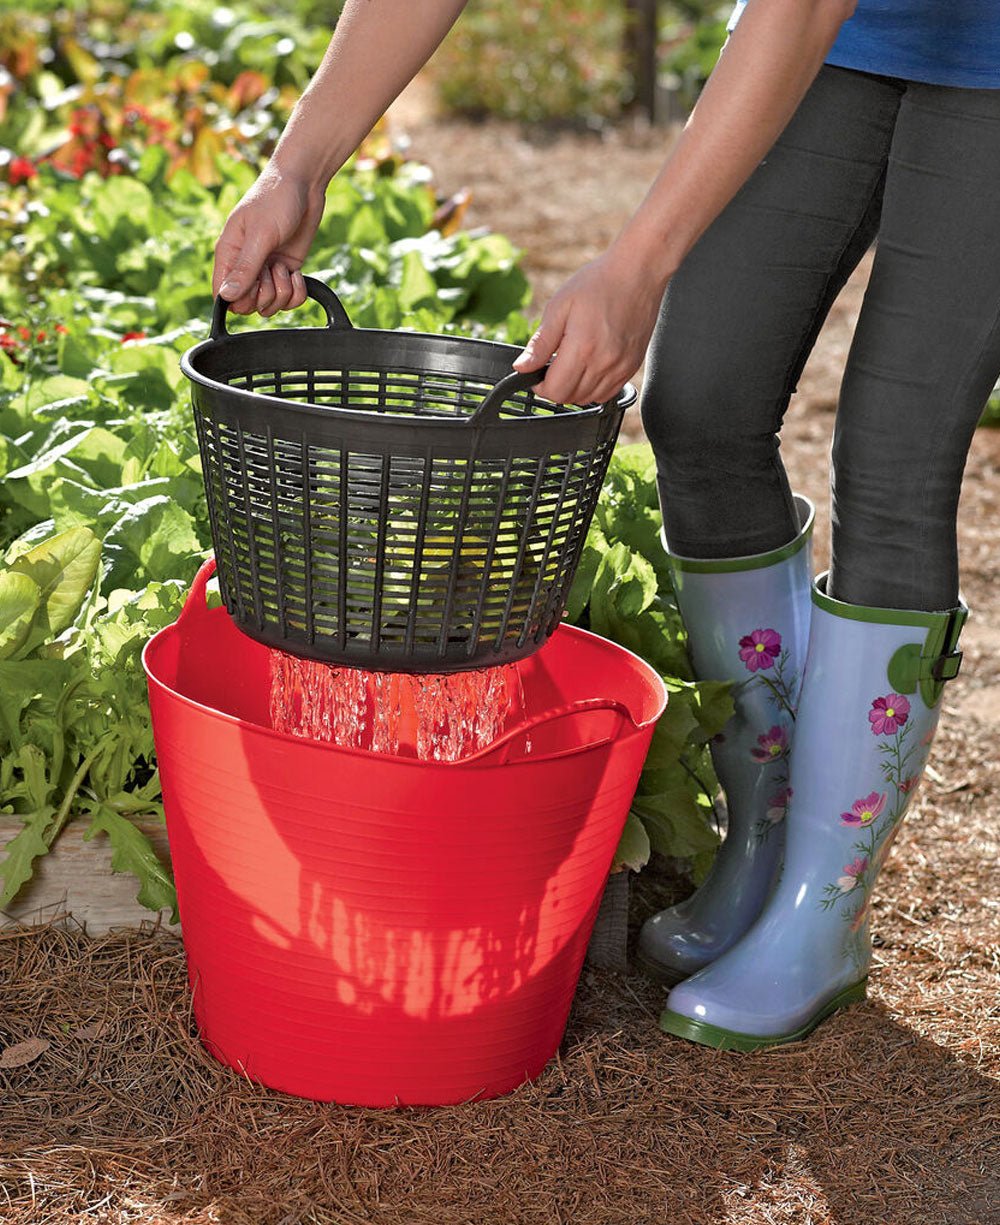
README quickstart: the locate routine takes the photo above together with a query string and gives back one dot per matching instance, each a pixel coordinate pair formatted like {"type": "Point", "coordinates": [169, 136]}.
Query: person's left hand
{"type": "Point", "coordinates": [598, 326]}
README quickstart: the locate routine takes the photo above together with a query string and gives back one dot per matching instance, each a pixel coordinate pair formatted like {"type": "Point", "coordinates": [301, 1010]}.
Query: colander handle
{"type": "Point", "coordinates": [336, 315]}
{"type": "Point", "coordinates": [491, 404]}
{"type": "Point", "coordinates": [195, 599]}
{"type": "Point", "coordinates": [498, 752]}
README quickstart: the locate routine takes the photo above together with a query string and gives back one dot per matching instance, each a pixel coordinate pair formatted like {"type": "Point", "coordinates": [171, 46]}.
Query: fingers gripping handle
{"type": "Point", "coordinates": [336, 315]}
{"type": "Point", "coordinates": [510, 385]}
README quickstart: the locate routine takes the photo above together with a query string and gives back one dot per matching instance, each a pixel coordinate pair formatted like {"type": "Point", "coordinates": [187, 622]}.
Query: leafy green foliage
{"type": "Point", "coordinates": [991, 413]}
{"type": "Point", "coordinates": [96, 556]}
{"type": "Point", "coordinates": [566, 59]}
{"type": "Point", "coordinates": [104, 280]}
{"type": "Point", "coordinates": [135, 254]}
{"type": "Point", "coordinates": [196, 78]}
{"type": "Point", "coordinates": [541, 59]}
{"type": "Point", "coordinates": [103, 520]}
{"type": "Point", "coordinates": [623, 591]}
{"type": "Point", "coordinates": [692, 36]}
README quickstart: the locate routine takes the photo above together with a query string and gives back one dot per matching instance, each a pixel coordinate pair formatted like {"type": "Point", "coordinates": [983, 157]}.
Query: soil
{"type": "Point", "coordinates": [889, 1113]}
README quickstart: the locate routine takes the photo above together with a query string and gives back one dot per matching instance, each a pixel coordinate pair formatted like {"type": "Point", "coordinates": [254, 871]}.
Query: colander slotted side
{"type": "Point", "coordinates": [370, 510]}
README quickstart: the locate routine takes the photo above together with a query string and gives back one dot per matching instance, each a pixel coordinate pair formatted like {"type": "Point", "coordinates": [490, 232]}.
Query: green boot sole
{"type": "Point", "coordinates": [731, 1040]}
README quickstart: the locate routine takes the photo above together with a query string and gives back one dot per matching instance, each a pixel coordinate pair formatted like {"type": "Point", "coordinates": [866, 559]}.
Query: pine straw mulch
{"type": "Point", "coordinates": [889, 1114]}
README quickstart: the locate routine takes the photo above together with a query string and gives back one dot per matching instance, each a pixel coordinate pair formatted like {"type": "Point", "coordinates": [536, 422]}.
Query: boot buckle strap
{"type": "Point", "coordinates": [910, 668]}
{"type": "Point", "coordinates": [946, 667]}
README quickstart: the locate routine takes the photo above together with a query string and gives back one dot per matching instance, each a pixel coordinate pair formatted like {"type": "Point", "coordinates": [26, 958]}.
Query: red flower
{"type": "Point", "coordinates": [24, 333]}
{"type": "Point", "coordinates": [20, 170]}
{"type": "Point", "coordinates": [133, 336]}
{"type": "Point", "coordinates": [40, 336]}
{"type": "Point", "coordinates": [85, 121]}
{"type": "Point", "coordinates": [82, 162]}
{"type": "Point", "coordinates": [61, 327]}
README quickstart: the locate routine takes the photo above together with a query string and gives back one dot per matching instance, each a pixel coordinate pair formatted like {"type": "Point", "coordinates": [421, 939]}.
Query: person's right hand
{"type": "Point", "coordinates": [260, 252]}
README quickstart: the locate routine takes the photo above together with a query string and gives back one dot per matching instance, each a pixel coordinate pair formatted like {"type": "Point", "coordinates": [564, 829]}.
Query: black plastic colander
{"type": "Point", "coordinates": [391, 500]}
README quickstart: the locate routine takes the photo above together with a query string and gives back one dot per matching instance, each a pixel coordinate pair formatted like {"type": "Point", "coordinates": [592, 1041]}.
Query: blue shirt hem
{"type": "Point", "coordinates": [966, 78]}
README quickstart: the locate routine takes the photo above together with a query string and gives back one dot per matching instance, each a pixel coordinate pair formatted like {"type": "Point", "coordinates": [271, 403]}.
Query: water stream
{"type": "Point", "coordinates": [432, 716]}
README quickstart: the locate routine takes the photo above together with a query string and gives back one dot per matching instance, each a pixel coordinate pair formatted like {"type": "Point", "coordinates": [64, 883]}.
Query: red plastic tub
{"type": "Point", "coordinates": [376, 930]}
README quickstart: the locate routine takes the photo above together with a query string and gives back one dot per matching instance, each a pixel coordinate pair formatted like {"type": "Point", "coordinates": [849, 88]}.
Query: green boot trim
{"type": "Point", "coordinates": [932, 664]}
{"type": "Point", "coordinates": [753, 561]}
{"type": "Point", "coordinates": [927, 665]}
{"type": "Point", "coordinates": [731, 1040]}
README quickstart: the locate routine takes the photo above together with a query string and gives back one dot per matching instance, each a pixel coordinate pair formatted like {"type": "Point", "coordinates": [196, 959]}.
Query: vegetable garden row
{"type": "Point", "coordinates": [123, 159]}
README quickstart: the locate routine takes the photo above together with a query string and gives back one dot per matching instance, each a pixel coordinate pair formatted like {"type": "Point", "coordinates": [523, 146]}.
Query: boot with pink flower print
{"type": "Point", "coordinates": [747, 620]}
{"type": "Point", "coordinates": [866, 717]}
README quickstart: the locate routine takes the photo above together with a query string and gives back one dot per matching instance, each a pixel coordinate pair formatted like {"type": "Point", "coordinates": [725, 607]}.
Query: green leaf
{"type": "Point", "coordinates": [416, 287]}
{"type": "Point", "coordinates": [23, 681]}
{"type": "Point", "coordinates": [75, 360]}
{"type": "Point", "coordinates": [365, 229]}
{"type": "Point", "coordinates": [633, 849]}
{"type": "Point", "coordinates": [55, 387]}
{"type": "Point", "coordinates": [153, 166]}
{"type": "Point", "coordinates": [90, 454]}
{"type": "Point", "coordinates": [673, 731]}
{"type": "Point", "coordinates": [31, 761]}
{"type": "Point", "coordinates": [19, 600]}
{"type": "Point", "coordinates": [64, 569]}
{"type": "Point", "coordinates": [154, 537]}
{"type": "Point", "coordinates": [675, 822]}
{"type": "Point", "coordinates": [713, 706]}
{"type": "Point", "coordinates": [583, 580]}
{"type": "Point", "coordinates": [28, 539]}
{"type": "Point", "coordinates": [123, 209]}
{"type": "Point", "coordinates": [627, 580]}
{"type": "Point", "coordinates": [17, 866]}
{"type": "Point", "coordinates": [133, 852]}
{"type": "Point", "coordinates": [133, 616]}
{"type": "Point", "coordinates": [10, 375]}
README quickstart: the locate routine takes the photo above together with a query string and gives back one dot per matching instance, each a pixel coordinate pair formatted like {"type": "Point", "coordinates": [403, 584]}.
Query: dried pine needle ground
{"type": "Point", "coordinates": [889, 1114]}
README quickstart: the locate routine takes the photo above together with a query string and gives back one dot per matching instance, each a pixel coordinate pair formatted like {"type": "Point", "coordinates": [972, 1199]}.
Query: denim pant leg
{"type": "Point", "coordinates": [743, 311]}
{"type": "Point", "coordinates": [925, 355]}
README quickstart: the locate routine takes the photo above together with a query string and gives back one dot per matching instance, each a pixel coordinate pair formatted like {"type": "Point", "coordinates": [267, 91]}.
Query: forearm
{"type": "Point", "coordinates": [377, 48]}
{"type": "Point", "coordinates": [768, 64]}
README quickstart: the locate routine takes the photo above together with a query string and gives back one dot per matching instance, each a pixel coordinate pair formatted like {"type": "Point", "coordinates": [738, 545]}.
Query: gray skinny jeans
{"type": "Point", "coordinates": [865, 157]}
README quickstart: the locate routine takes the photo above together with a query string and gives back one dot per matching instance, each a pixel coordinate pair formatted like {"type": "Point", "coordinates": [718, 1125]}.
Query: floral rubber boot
{"type": "Point", "coordinates": [747, 620]}
{"type": "Point", "coordinates": [866, 718]}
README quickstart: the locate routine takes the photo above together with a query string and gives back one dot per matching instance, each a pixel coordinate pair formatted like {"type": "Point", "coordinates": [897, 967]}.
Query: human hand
{"type": "Point", "coordinates": [260, 252]}
{"type": "Point", "coordinates": [598, 326]}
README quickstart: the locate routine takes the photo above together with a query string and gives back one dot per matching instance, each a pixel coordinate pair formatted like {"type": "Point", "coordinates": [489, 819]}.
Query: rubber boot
{"type": "Point", "coordinates": [867, 715]}
{"type": "Point", "coordinates": [747, 620]}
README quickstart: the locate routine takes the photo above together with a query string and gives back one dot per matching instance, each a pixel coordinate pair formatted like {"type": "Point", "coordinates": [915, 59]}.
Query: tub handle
{"type": "Point", "coordinates": [195, 600]}
{"type": "Point", "coordinates": [498, 752]}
